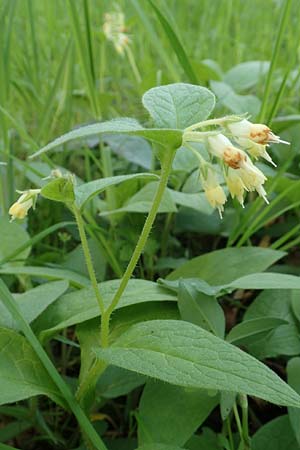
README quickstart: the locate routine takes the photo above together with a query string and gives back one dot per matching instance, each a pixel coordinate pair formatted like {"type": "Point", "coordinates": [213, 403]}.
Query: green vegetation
{"type": "Point", "coordinates": [149, 262]}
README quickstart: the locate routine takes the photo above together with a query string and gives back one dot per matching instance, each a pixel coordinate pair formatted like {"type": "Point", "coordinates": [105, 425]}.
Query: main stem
{"type": "Point", "coordinates": [88, 258]}
{"type": "Point", "coordinates": [165, 172]}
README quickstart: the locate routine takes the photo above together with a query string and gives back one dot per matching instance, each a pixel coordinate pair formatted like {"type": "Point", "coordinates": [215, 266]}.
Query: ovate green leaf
{"type": "Point", "coordinates": [183, 354]}
{"type": "Point", "coordinates": [178, 105]}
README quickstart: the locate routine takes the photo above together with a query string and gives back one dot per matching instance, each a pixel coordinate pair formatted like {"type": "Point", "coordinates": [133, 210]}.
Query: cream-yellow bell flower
{"type": "Point", "coordinates": [257, 132]}
{"type": "Point", "coordinates": [253, 178]}
{"type": "Point", "coordinates": [255, 150]}
{"type": "Point", "coordinates": [212, 189]}
{"type": "Point", "coordinates": [20, 208]}
{"type": "Point", "coordinates": [221, 146]}
{"type": "Point", "coordinates": [235, 185]}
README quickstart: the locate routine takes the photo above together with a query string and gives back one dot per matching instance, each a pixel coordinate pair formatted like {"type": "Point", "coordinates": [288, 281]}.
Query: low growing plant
{"type": "Point", "coordinates": [134, 331]}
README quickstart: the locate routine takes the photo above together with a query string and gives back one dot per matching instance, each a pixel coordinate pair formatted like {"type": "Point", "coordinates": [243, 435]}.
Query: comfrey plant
{"type": "Point", "coordinates": [173, 345]}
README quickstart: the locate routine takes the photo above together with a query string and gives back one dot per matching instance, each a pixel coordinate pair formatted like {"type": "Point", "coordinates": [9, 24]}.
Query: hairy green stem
{"type": "Point", "coordinates": [165, 172]}
{"type": "Point", "coordinates": [88, 258]}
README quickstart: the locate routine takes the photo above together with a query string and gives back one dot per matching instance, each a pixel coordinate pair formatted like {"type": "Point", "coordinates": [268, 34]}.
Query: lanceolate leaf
{"type": "Point", "coordinates": [178, 105]}
{"type": "Point", "coordinates": [79, 306]}
{"type": "Point", "coordinates": [170, 137]}
{"type": "Point", "coordinates": [181, 353]}
{"type": "Point", "coordinates": [21, 373]}
{"type": "Point", "coordinates": [87, 191]}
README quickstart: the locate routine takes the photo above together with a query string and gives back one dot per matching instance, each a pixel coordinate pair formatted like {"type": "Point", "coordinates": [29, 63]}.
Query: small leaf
{"type": "Point", "coordinates": [59, 190]}
{"type": "Point", "coordinates": [87, 191]}
{"type": "Point", "coordinates": [178, 105]}
{"type": "Point", "coordinates": [161, 413]}
{"type": "Point", "coordinates": [200, 309]}
{"type": "Point", "coordinates": [226, 403]}
{"type": "Point", "coordinates": [253, 329]}
{"type": "Point", "coordinates": [183, 354]}
{"type": "Point", "coordinates": [22, 375]}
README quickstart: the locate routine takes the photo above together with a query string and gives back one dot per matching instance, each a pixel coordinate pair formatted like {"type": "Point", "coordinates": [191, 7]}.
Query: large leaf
{"type": "Point", "coordinates": [160, 413]}
{"type": "Point", "coordinates": [79, 306]}
{"type": "Point", "coordinates": [178, 105]}
{"type": "Point", "coordinates": [33, 302]}
{"type": "Point", "coordinates": [293, 373]}
{"type": "Point", "coordinates": [169, 137]}
{"type": "Point", "coordinates": [224, 266]}
{"type": "Point", "coordinates": [275, 435]}
{"type": "Point", "coordinates": [200, 309]}
{"type": "Point", "coordinates": [87, 191]}
{"type": "Point", "coordinates": [21, 373]}
{"type": "Point", "coordinates": [183, 354]}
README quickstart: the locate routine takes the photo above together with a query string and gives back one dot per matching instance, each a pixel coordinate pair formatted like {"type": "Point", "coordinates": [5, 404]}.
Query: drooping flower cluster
{"type": "Point", "coordinates": [240, 173]}
{"type": "Point", "coordinates": [115, 30]}
{"type": "Point", "coordinates": [27, 200]}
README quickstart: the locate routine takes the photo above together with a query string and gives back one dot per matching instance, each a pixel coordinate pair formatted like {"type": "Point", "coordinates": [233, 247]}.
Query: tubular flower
{"type": "Point", "coordinates": [253, 179]}
{"type": "Point", "coordinates": [212, 189]}
{"type": "Point", "coordinates": [257, 132]}
{"type": "Point", "coordinates": [255, 150]}
{"type": "Point", "coordinates": [221, 147]}
{"type": "Point", "coordinates": [115, 30]}
{"type": "Point", "coordinates": [235, 185]}
{"type": "Point", "coordinates": [240, 174]}
{"type": "Point", "coordinates": [21, 207]}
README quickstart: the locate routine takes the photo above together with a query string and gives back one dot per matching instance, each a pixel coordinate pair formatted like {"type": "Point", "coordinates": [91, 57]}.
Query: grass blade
{"type": "Point", "coordinates": [176, 45]}
{"type": "Point", "coordinates": [283, 23]}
